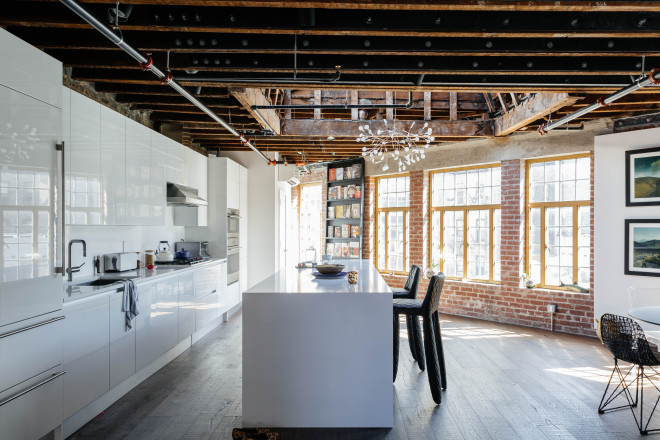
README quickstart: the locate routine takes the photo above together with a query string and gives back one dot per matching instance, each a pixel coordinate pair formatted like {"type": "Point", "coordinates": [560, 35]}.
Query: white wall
{"type": "Point", "coordinates": [106, 239]}
{"type": "Point", "coordinates": [263, 215]}
{"type": "Point", "coordinates": [610, 211]}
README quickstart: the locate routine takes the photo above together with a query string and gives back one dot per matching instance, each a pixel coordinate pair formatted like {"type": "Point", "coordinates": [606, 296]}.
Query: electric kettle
{"type": "Point", "coordinates": [164, 253]}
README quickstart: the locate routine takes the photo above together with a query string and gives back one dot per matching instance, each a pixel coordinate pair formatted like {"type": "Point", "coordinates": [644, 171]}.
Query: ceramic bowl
{"type": "Point", "coordinates": [329, 269]}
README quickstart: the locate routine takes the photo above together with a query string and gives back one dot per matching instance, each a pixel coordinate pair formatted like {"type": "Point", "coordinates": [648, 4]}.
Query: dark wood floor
{"type": "Point", "coordinates": [504, 382]}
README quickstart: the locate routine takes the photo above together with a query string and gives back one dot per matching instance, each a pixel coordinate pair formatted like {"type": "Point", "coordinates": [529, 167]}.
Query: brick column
{"type": "Point", "coordinates": [368, 220]}
{"type": "Point", "coordinates": [417, 226]}
{"type": "Point", "coordinates": [513, 223]}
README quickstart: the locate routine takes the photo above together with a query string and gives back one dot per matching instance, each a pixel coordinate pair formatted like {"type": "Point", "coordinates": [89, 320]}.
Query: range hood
{"type": "Point", "coordinates": [181, 195]}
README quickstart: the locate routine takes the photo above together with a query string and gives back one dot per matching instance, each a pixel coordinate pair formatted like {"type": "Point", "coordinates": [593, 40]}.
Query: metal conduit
{"type": "Point", "coordinates": [334, 106]}
{"type": "Point", "coordinates": [652, 78]}
{"type": "Point", "coordinates": [147, 64]}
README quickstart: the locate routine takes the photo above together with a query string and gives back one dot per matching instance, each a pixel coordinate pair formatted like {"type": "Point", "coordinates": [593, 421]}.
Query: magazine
{"type": "Point", "coordinates": [348, 173]}
{"type": "Point", "coordinates": [339, 173]}
{"type": "Point", "coordinates": [355, 210]}
{"type": "Point", "coordinates": [354, 249]}
{"type": "Point", "coordinates": [339, 211]}
{"type": "Point", "coordinates": [329, 248]}
{"type": "Point", "coordinates": [350, 192]}
{"type": "Point", "coordinates": [332, 193]}
{"type": "Point", "coordinates": [356, 171]}
{"type": "Point", "coordinates": [358, 192]}
{"type": "Point", "coordinates": [355, 231]}
{"type": "Point", "coordinates": [331, 175]}
{"type": "Point", "coordinates": [337, 250]}
{"type": "Point", "coordinates": [331, 212]}
{"type": "Point", "coordinates": [347, 211]}
{"type": "Point", "coordinates": [345, 231]}
{"type": "Point", "coordinates": [331, 231]}
{"type": "Point", "coordinates": [338, 231]}
{"type": "Point", "coordinates": [345, 250]}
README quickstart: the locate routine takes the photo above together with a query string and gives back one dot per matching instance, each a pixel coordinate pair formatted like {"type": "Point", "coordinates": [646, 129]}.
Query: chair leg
{"type": "Point", "coordinates": [411, 336]}
{"type": "Point", "coordinates": [433, 370]}
{"type": "Point", "coordinates": [438, 349]}
{"type": "Point", "coordinates": [395, 344]}
{"type": "Point", "coordinates": [419, 342]}
{"type": "Point", "coordinates": [644, 427]}
{"type": "Point", "coordinates": [621, 388]}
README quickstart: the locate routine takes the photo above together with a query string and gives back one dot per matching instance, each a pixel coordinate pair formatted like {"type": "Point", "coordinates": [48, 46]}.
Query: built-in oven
{"type": "Point", "coordinates": [233, 221]}
{"type": "Point", "coordinates": [233, 249]}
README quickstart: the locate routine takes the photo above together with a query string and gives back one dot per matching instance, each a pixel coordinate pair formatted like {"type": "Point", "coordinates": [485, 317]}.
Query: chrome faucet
{"type": "Point", "coordinates": [70, 270]}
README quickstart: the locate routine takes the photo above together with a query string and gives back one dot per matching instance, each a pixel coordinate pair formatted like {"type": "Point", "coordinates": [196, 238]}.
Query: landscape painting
{"type": "Point", "coordinates": [643, 177]}
{"type": "Point", "coordinates": [642, 251]}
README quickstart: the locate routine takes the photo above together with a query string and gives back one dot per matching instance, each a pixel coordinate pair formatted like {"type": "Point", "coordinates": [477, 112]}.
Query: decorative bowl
{"type": "Point", "coordinates": [329, 269]}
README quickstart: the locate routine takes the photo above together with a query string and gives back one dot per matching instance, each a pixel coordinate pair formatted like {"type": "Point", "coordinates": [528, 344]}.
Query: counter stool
{"type": "Point", "coordinates": [409, 291]}
{"type": "Point", "coordinates": [428, 310]}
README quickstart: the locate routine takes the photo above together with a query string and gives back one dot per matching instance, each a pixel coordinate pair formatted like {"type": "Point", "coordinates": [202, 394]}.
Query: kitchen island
{"type": "Point", "coordinates": [318, 352]}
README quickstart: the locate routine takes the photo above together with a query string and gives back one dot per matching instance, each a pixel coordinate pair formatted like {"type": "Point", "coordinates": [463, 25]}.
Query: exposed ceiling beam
{"type": "Point", "coordinates": [531, 110]}
{"type": "Point", "coordinates": [248, 97]}
{"type": "Point", "coordinates": [324, 128]}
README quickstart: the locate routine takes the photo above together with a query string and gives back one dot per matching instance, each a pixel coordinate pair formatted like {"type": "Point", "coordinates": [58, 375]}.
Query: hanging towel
{"type": "Point", "coordinates": [130, 303]}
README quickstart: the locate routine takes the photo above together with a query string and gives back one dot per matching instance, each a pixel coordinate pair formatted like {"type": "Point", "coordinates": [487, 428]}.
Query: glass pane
{"type": "Point", "coordinates": [453, 243]}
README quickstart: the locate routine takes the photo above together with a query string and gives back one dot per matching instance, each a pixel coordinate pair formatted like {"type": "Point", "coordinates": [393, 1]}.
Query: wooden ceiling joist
{"type": "Point", "coordinates": [531, 110]}
{"type": "Point", "coordinates": [324, 128]}
{"type": "Point", "coordinates": [248, 97]}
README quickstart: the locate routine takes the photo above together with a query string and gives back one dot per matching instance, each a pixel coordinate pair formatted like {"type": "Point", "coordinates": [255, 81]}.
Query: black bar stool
{"type": "Point", "coordinates": [428, 310]}
{"type": "Point", "coordinates": [409, 291]}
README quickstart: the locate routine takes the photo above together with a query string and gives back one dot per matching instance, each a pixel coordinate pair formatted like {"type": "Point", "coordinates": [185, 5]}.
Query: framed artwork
{"type": "Point", "coordinates": [643, 177]}
{"type": "Point", "coordinates": [642, 252]}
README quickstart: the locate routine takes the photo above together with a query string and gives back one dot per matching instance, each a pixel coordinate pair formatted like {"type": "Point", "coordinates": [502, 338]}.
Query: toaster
{"type": "Point", "coordinates": [120, 262]}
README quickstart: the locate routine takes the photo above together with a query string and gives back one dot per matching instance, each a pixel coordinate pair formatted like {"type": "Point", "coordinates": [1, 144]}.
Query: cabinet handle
{"type": "Point", "coordinates": [16, 396]}
{"type": "Point", "coordinates": [60, 269]}
{"type": "Point", "coordinates": [30, 327]}
{"type": "Point", "coordinates": [208, 294]}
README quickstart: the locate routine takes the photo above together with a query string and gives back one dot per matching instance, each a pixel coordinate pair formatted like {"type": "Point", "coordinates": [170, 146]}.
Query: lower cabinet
{"type": "Point", "coordinates": [208, 296]}
{"type": "Point", "coordinates": [233, 295]}
{"type": "Point", "coordinates": [157, 323]}
{"type": "Point", "coordinates": [186, 305]}
{"type": "Point", "coordinates": [122, 341]}
{"type": "Point", "coordinates": [86, 354]}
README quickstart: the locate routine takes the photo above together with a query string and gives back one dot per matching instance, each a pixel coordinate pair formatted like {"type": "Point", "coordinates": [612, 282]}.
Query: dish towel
{"type": "Point", "coordinates": [130, 303]}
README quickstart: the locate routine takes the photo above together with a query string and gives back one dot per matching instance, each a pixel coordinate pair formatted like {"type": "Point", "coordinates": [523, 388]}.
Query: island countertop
{"type": "Point", "coordinates": [292, 280]}
{"type": "Point", "coordinates": [318, 352]}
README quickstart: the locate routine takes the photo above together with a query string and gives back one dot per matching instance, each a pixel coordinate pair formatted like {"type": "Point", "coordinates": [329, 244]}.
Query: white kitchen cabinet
{"type": "Point", "coordinates": [233, 184]}
{"type": "Point", "coordinates": [243, 229]}
{"type": "Point", "coordinates": [66, 137]}
{"type": "Point", "coordinates": [28, 70]}
{"type": "Point", "coordinates": [208, 297]}
{"type": "Point", "coordinates": [196, 170]}
{"type": "Point", "coordinates": [113, 167]}
{"type": "Point", "coordinates": [186, 305]}
{"type": "Point", "coordinates": [85, 169]}
{"type": "Point", "coordinates": [138, 173]}
{"type": "Point", "coordinates": [233, 295]}
{"type": "Point", "coordinates": [122, 341]}
{"type": "Point", "coordinates": [156, 330]}
{"type": "Point", "coordinates": [158, 182]}
{"type": "Point", "coordinates": [86, 352]}
{"type": "Point", "coordinates": [28, 182]}
{"type": "Point", "coordinates": [176, 163]}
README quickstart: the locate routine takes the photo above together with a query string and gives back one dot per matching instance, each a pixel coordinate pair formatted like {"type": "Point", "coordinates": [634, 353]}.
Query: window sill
{"type": "Point", "coordinates": [555, 289]}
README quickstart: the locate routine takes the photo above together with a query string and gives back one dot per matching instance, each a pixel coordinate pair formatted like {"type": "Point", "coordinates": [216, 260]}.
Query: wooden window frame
{"type": "Point", "coordinates": [406, 212]}
{"type": "Point", "coordinates": [575, 205]}
{"type": "Point", "coordinates": [465, 209]}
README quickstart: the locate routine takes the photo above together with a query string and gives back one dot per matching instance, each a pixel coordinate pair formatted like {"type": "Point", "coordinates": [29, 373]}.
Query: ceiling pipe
{"type": "Point", "coordinates": [335, 106]}
{"type": "Point", "coordinates": [147, 64]}
{"type": "Point", "coordinates": [652, 78]}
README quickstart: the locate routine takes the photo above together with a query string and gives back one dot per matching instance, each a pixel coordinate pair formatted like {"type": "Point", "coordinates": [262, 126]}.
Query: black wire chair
{"type": "Point", "coordinates": [409, 291]}
{"type": "Point", "coordinates": [625, 339]}
{"type": "Point", "coordinates": [428, 310]}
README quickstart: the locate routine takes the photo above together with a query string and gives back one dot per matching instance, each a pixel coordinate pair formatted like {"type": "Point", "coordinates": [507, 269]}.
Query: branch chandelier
{"type": "Point", "coordinates": [404, 146]}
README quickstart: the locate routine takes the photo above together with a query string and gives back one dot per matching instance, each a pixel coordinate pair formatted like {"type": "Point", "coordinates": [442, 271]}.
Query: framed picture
{"type": "Point", "coordinates": [642, 251]}
{"type": "Point", "coordinates": [643, 177]}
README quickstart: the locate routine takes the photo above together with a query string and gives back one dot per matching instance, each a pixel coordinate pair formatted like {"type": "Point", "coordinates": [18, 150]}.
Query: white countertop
{"type": "Point", "coordinates": [301, 281]}
{"type": "Point", "coordinates": [74, 292]}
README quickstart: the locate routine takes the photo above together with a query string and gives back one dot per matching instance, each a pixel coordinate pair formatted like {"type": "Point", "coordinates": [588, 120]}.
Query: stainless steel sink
{"type": "Point", "coordinates": [105, 280]}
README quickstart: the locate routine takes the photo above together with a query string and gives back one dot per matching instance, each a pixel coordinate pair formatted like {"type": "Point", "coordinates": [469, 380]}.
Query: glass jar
{"type": "Point", "coordinates": [149, 259]}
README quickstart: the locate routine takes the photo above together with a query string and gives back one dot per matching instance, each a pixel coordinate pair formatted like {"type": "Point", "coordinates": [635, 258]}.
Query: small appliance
{"type": "Point", "coordinates": [120, 262]}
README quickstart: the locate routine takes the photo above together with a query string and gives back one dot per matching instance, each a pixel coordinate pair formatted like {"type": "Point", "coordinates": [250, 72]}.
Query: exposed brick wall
{"type": "Point", "coordinates": [368, 224]}
{"type": "Point", "coordinates": [508, 301]}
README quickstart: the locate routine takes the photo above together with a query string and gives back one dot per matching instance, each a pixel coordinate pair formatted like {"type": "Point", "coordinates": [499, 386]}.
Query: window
{"type": "Point", "coordinates": [392, 223]}
{"type": "Point", "coordinates": [558, 220]}
{"type": "Point", "coordinates": [465, 222]}
{"type": "Point", "coordinates": [310, 220]}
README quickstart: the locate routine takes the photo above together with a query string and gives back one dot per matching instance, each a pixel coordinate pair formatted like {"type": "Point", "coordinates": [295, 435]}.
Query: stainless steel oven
{"type": "Point", "coordinates": [232, 264]}
{"type": "Point", "coordinates": [233, 249]}
{"type": "Point", "coordinates": [233, 221]}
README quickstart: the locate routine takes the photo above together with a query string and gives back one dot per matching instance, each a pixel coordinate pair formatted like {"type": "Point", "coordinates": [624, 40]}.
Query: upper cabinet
{"type": "Point", "coordinates": [196, 177]}
{"type": "Point", "coordinates": [85, 169]}
{"type": "Point", "coordinates": [28, 70]}
{"type": "Point", "coordinates": [158, 182]}
{"type": "Point", "coordinates": [113, 169]}
{"type": "Point", "coordinates": [175, 171]}
{"type": "Point", "coordinates": [138, 173]}
{"type": "Point", "coordinates": [233, 185]}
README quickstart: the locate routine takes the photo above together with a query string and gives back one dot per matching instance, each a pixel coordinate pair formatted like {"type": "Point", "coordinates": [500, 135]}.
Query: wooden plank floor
{"type": "Point", "coordinates": [504, 382]}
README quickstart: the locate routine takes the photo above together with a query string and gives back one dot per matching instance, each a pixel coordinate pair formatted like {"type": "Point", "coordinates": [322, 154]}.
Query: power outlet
{"type": "Point", "coordinates": [552, 308]}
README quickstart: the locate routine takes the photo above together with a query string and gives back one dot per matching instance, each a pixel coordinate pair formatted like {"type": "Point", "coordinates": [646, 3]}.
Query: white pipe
{"type": "Point", "coordinates": [147, 64]}
{"type": "Point", "coordinates": [652, 78]}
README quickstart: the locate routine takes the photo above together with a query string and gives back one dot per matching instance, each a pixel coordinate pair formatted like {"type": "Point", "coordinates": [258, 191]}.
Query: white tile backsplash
{"type": "Point", "coordinates": [107, 239]}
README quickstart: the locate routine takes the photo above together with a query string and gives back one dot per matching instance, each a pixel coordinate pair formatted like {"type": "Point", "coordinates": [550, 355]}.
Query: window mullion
{"type": "Point", "coordinates": [575, 244]}
{"type": "Point", "coordinates": [491, 233]}
{"type": "Point", "coordinates": [542, 250]}
{"type": "Point", "coordinates": [386, 234]}
{"type": "Point", "coordinates": [466, 245]}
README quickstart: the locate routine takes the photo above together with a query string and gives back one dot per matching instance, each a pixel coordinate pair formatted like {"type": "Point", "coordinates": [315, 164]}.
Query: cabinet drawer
{"type": "Point", "coordinates": [34, 409]}
{"type": "Point", "coordinates": [29, 351]}
{"type": "Point", "coordinates": [206, 309]}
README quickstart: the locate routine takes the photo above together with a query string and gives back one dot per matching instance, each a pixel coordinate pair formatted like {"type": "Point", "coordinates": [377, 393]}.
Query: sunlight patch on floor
{"type": "Point", "coordinates": [602, 375]}
{"type": "Point", "coordinates": [480, 333]}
